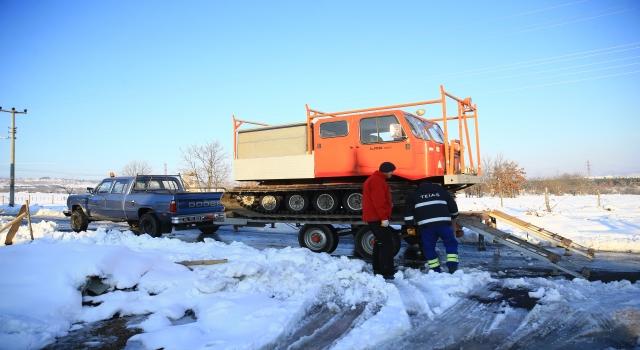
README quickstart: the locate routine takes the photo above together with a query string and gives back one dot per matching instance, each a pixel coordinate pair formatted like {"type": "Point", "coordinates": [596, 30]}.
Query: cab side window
{"type": "Point", "coordinates": [119, 187]}
{"type": "Point", "coordinates": [104, 187]}
{"type": "Point", "coordinates": [378, 129]}
{"type": "Point", "coordinates": [334, 129]}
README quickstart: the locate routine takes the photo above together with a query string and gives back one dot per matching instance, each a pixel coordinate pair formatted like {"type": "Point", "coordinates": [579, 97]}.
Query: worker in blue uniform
{"type": "Point", "coordinates": [432, 209]}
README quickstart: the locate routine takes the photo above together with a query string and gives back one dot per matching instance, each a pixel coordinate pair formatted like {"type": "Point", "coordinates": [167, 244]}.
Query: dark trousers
{"type": "Point", "coordinates": [382, 259]}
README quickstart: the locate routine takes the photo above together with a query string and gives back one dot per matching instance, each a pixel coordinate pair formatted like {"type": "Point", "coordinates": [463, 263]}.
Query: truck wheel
{"type": "Point", "coordinates": [352, 201]}
{"type": "Point", "coordinates": [270, 203]}
{"type": "Point", "coordinates": [318, 238]}
{"type": "Point", "coordinates": [150, 225]}
{"type": "Point", "coordinates": [325, 202]}
{"type": "Point", "coordinates": [297, 203]}
{"type": "Point", "coordinates": [207, 230]}
{"type": "Point", "coordinates": [365, 240]}
{"type": "Point", "coordinates": [79, 221]}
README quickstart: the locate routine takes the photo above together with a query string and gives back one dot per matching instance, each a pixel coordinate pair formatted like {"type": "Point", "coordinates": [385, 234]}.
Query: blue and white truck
{"type": "Point", "coordinates": [151, 204]}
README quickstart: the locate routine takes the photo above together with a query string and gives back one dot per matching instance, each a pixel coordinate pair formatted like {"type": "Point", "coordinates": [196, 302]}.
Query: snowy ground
{"type": "Point", "coordinates": [267, 298]}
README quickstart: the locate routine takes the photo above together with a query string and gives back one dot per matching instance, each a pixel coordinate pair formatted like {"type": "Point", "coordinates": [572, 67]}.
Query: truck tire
{"type": "Point", "coordinates": [297, 203]}
{"type": "Point", "coordinates": [150, 225]}
{"type": "Point", "coordinates": [365, 239]}
{"type": "Point", "coordinates": [326, 202]}
{"type": "Point", "coordinates": [352, 201]}
{"type": "Point", "coordinates": [207, 230]}
{"type": "Point", "coordinates": [79, 221]}
{"type": "Point", "coordinates": [318, 238]}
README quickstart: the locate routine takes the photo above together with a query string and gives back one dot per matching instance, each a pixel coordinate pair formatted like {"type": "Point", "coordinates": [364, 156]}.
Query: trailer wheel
{"type": "Point", "coordinates": [297, 203]}
{"type": "Point", "coordinates": [336, 239]}
{"type": "Point", "coordinates": [270, 203]}
{"type": "Point", "coordinates": [318, 238]}
{"type": "Point", "coordinates": [326, 202]}
{"type": "Point", "coordinates": [365, 240]}
{"type": "Point", "coordinates": [207, 230]}
{"type": "Point", "coordinates": [150, 225]}
{"type": "Point", "coordinates": [352, 201]}
{"type": "Point", "coordinates": [79, 221]}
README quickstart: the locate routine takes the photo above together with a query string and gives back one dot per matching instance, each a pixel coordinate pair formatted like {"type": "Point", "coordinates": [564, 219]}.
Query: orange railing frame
{"type": "Point", "coordinates": [236, 125]}
{"type": "Point", "coordinates": [464, 107]}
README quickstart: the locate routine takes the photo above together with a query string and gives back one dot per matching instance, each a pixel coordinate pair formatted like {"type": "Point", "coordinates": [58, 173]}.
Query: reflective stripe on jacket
{"type": "Point", "coordinates": [429, 205]}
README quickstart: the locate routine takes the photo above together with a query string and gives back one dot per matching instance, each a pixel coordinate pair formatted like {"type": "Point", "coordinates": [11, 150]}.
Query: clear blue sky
{"type": "Point", "coordinates": [108, 82]}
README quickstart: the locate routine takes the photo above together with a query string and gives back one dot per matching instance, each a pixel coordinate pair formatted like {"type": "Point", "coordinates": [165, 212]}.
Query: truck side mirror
{"type": "Point", "coordinates": [396, 131]}
{"type": "Point", "coordinates": [89, 189]}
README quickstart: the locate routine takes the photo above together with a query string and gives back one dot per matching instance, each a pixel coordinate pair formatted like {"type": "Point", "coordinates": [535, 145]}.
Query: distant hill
{"type": "Point", "coordinates": [48, 185]}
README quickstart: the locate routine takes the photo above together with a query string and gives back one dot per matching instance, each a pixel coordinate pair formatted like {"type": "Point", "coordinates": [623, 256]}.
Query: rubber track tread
{"type": "Point", "coordinates": [231, 203]}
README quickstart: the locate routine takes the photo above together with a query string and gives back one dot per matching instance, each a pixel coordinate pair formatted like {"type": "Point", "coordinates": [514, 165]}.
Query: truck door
{"type": "Point", "coordinates": [376, 144]}
{"type": "Point", "coordinates": [96, 204]}
{"type": "Point", "coordinates": [334, 148]}
{"type": "Point", "coordinates": [435, 150]}
{"type": "Point", "coordinates": [114, 203]}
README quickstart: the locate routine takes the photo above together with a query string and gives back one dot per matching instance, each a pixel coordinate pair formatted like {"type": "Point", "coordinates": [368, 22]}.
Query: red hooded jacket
{"type": "Point", "coordinates": [376, 198]}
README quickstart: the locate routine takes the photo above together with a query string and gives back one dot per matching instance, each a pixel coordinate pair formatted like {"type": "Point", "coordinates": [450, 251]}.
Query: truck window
{"type": "Point", "coordinates": [104, 187]}
{"type": "Point", "coordinates": [119, 187]}
{"type": "Point", "coordinates": [436, 132]}
{"type": "Point", "coordinates": [334, 129]}
{"type": "Point", "coordinates": [377, 129]}
{"type": "Point", "coordinates": [170, 185]}
{"type": "Point", "coordinates": [418, 128]}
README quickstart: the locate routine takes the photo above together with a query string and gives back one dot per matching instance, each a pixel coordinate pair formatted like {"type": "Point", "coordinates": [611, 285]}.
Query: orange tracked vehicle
{"type": "Point", "coordinates": [312, 172]}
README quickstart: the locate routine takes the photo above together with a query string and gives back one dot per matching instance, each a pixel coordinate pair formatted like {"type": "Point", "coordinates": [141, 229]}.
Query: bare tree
{"type": "Point", "coordinates": [502, 177]}
{"type": "Point", "coordinates": [207, 164]}
{"type": "Point", "coordinates": [67, 185]}
{"type": "Point", "coordinates": [137, 167]}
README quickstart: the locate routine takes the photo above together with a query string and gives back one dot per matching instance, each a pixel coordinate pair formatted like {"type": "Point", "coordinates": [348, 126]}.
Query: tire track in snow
{"type": "Point", "coordinates": [323, 329]}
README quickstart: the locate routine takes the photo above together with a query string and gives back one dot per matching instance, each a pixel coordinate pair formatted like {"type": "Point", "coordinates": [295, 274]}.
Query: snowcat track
{"type": "Point", "coordinates": [235, 208]}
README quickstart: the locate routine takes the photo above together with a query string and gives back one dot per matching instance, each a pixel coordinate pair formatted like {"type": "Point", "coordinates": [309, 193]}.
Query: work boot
{"type": "Point", "coordinates": [437, 269]}
{"type": "Point", "coordinates": [452, 269]}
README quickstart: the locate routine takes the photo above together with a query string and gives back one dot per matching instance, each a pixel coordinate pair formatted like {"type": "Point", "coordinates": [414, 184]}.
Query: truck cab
{"type": "Point", "coordinates": [357, 145]}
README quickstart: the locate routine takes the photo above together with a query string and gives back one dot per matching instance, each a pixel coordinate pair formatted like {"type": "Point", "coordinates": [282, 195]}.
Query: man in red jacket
{"type": "Point", "coordinates": [376, 212]}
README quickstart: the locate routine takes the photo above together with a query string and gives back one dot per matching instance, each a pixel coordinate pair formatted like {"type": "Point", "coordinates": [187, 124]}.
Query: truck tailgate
{"type": "Point", "coordinates": [198, 202]}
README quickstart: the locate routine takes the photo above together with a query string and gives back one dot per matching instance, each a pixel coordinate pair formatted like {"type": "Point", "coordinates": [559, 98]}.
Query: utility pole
{"type": "Point", "coordinates": [12, 172]}
{"type": "Point", "coordinates": [588, 169]}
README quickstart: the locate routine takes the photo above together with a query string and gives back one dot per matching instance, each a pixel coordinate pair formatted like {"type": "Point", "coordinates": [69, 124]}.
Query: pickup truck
{"type": "Point", "coordinates": [151, 204]}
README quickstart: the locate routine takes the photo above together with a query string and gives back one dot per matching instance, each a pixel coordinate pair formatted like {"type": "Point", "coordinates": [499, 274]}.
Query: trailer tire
{"type": "Point", "coordinates": [326, 202]}
{"type": "Point", "coordinates": [150, 225]}
{"type": "Point", "coordinates": [297, 202]}
{"type": "Point", "coordinates": [365, 239]}
{"type": "Point", "coordinates": [317, 238]}
{"type": "Point", "coordinates": [79, 221]}
{"type": "Point", "coordinates": [207, 230]}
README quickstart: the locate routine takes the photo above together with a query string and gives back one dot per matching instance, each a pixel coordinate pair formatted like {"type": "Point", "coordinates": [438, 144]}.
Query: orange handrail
{"type": "Point", "coordinates": [464, 107]}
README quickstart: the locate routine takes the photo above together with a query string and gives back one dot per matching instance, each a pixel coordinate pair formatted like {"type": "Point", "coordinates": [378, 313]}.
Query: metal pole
{"type": "Point", "coordinates": [12, 172]}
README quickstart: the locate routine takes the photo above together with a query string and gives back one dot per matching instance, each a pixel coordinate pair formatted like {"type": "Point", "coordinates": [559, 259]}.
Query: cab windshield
{"type": "Point", "coordinates": [417, 127]}
{"type": "Point", "coordinates": [435, 131]}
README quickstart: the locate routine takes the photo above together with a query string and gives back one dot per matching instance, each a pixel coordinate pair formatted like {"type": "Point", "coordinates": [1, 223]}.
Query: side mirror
{"type": "Point", "coordinates": [89, 189]}
{"type": "Point", "coordinates": [396, 131]}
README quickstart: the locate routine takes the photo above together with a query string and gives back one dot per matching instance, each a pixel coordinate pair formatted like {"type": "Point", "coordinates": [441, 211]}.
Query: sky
{"type": "Point", "coordinates": [107, 83]}
{"type": "Point", "coordinates": [261, 298]}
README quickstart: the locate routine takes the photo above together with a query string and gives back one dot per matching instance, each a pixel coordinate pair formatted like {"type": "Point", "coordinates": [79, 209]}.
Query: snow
{"type": "Point", "coordinates": [259, 297]}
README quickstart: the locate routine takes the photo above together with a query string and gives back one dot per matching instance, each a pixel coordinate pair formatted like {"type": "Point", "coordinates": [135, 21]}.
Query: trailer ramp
{"type": "Point", "coordinates": [543, 234]}
{"type": "Point", "coordinates": [475, 223]}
